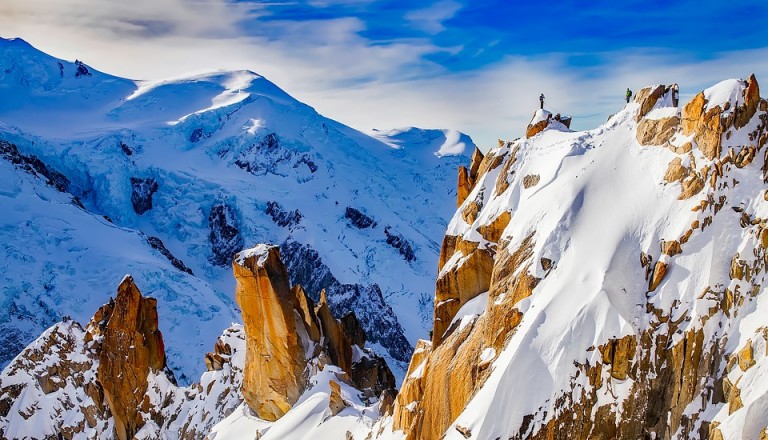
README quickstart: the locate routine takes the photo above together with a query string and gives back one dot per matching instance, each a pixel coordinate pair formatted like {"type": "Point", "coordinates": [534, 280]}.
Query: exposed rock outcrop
{"type": "Point", "coordinates": [142, 191]}
{"type": "Point", "coordinates": [131, 348]}
{"type": "Point", "coordinates": [710, 123]}
{"type": "Point", "coordinates": [358, 219]}
{"type": "Point", "coordinates": [657, 131]}
{"type": "Point", "coordinates": [465, 276]}
{"type": "Point", "coordinates": [468, 176]}
{"type": "Point", "coordinates": [275, 318]}
{"type": "Point", "coordinates": [538, 123]}
{"type": "Point", "coordinates": [275, 359]}
{"type": "Point", "coordinates": [158, 245]}
{"type": "Point", "coordinates": [400, 243]}
{"type": "Point", "coordinates": [224, 234]}
{"type": "Point", "coordinates": [464, 187]}
{"type": "Point", "coordinates": [34, 166]}
{"type": "Point", "coordinates": [647, 97]}
{"type": "Point", "coordinates": [282, 217]}
{"type": "Point", "coordinates": [335, 402]}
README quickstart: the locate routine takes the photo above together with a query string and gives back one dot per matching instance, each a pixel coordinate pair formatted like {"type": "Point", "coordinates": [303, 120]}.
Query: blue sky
{"type": "Point", "coordinates": [475, 66]}
{"type": "Point", "coordinates": [486, 30]}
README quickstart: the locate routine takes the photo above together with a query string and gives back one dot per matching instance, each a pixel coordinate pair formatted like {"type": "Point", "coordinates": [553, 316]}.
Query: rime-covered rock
{"type": "Point", "coordinates": [358, 219]}
{"type": "Point", "coordinates": [224, 234]}
{"type": "Point", "coordinates": [142, 191]}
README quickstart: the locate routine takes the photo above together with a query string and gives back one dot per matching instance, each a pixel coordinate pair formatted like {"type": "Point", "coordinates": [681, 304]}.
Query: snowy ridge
{"type": "Point", "coordinates": [600, 205]}
{"type": "Point", "coordinates": [53, 383]}
{"type": "Point", "coordinates": [56, 388]}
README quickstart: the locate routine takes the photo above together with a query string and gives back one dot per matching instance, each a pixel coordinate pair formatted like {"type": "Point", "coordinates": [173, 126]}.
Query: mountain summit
{"type": "Point", "coordinates": [166, 180]}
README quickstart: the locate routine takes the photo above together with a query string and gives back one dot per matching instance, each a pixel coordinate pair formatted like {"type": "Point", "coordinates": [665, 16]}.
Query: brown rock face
{"type": "Point", "coordinates": [706, 124]}
{"type": "Point", "coordinates": [464, 281]}
{"type": "Point", "coordinates": [618, 354]}
{"type": "Point", "coordinates": [306, 310]}
{"type": "Point", "coordinates": [534, 129]}
{"type": "Point", "coordinates": [492, 231]}
{"type": "Point", "coordinates": [675, 171]}
{"type": "Point", "coordinates": [443, 376]}
{"type": "Point", "coordinates": [654, 131]}
{"type": "Point", "coordinates": [475, 164]}
{"type": "Point", "coordinates": [658, 274]}
{"type": "Point", "coordinates": [647, 98]}
{"type": "Point", "coordinates": [338, 342]}
{"type": "Point", "coordinates": [465, 186]}
{"type": "Point", "coordinates": [274, 317]}
{"type": "Point", "coordinates": [657, 131]}
{"type": "Point", "coordinates": [531, 180]}
{"type": "Point", "coordinates": [745, 112]}
{"type": "Point", "coordinates": [468, 176]}
{"type": "Point", "coordinates": [274, 361]}
{"type": "Point", "coordinates": [709, 126]}
{"type": "Point", "coordinates": [336, 403]}
{"type": "Point", "coordinates": [132, 346]}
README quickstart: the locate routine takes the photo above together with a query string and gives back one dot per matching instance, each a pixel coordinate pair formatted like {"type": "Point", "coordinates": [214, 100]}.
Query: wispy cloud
{"type": "Point", "coordinates": [431, 19]}
{"type": "Point", "coordinates": [358, 62]}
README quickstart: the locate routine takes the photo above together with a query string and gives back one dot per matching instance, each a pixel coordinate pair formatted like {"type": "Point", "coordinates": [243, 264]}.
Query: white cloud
{"type": "Point", "coordinates": [330, 66]}
{"type": "Point", "coordinates": [431, 19]}
{"type": "Point", "coordinates": [498, 102]}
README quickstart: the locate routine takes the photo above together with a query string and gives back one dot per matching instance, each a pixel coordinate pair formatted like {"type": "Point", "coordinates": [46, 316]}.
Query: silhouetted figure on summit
{"type": "Point", "coordinates": [541, 101]}
{"type": "Point", "coordinates": [629, 95]}
{"type": "Point", "coordinates": [675, 95]}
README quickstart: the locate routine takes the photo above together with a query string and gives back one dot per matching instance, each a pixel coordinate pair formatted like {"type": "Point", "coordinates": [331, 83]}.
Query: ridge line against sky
{"type": "Point", "coordinates": [473, 66]}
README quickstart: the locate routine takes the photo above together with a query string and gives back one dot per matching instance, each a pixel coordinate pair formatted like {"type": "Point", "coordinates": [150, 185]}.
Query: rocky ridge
{"type": "Point", "coordinates": [681, 358]}
{"type": "Point", "coordinates": [111, 377]}
{"type": "Point", "coordinates": [285, 332]}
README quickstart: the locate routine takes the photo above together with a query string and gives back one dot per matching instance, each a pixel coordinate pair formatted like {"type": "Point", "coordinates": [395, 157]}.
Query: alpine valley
{"type": "Point", "coordinates": [208, 258]}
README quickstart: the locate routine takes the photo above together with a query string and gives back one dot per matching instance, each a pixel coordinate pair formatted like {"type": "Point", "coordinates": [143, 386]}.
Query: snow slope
{"type": "Point", "coordinates": [208, 165]}
{"type": "Point", "coordinates": [601, 203]}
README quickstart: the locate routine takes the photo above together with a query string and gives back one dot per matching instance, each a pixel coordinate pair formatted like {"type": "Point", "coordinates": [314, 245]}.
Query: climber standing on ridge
{"type": "Point", "coordinates": [675, 95]}
{"type": "Point", "coordinates": [541, 101]}
{"type": "Point", "coordinates": [629, 95]}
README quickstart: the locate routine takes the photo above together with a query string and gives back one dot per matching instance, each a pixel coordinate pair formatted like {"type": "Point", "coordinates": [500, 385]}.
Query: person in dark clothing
{"type": "Point", "coordinates": [629, 95]}
{"type": "Point", "coordinates": [541, 100]}
{"type": "Point", "coordinates": [675, 95]}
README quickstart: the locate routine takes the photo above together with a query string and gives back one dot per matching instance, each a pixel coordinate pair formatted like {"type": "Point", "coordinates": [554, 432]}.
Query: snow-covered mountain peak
{"type": "Point", "coordinates": [27, 69]}
{"type": "Point", "coordinates": [436, 142]}
{"type": "Point", "coordinates": [174, 177]}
